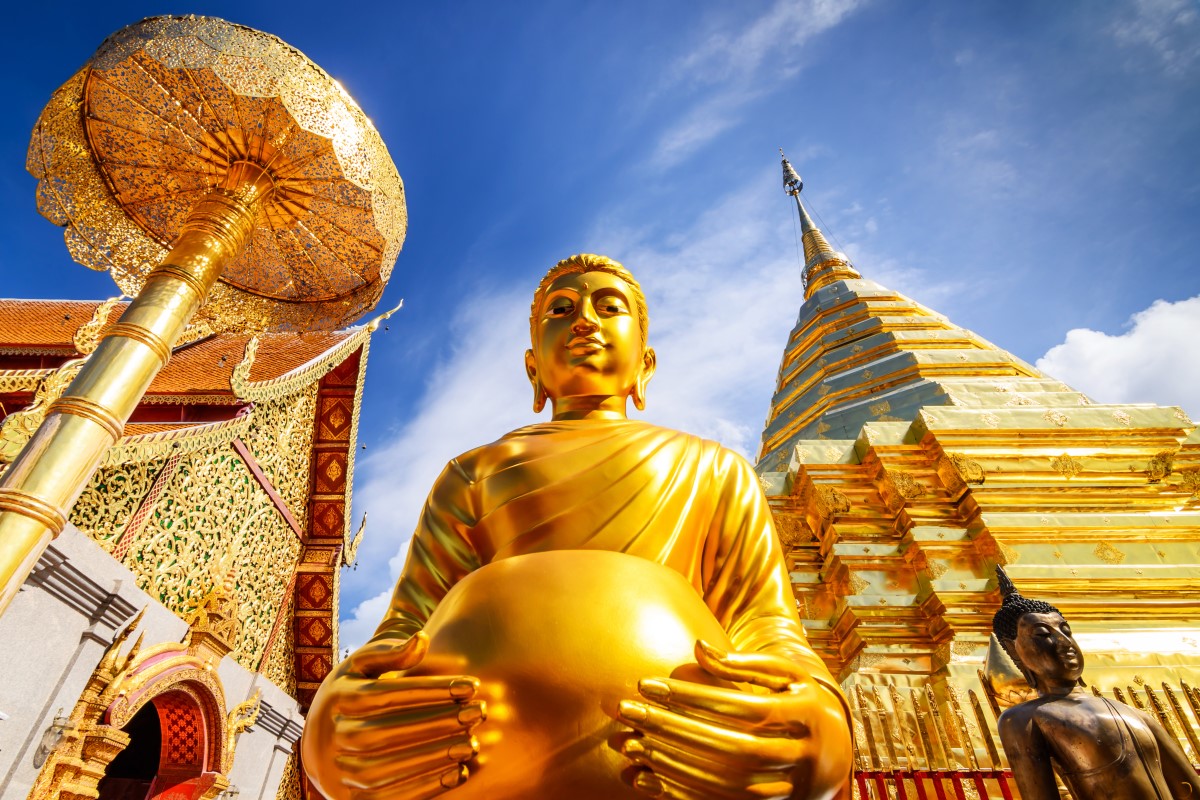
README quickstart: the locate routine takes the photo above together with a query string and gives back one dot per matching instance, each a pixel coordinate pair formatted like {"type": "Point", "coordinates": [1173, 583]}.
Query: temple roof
{"type": "Point", "coordinates": [201, 367]}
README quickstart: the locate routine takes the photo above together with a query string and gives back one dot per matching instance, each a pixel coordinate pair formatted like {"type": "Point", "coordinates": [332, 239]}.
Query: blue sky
{"type": "Point", "coordinates": [1031, 170]}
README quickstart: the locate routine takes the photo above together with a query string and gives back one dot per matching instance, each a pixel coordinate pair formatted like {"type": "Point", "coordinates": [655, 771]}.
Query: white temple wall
{"type": "Point", "coordinates": [55, 632]}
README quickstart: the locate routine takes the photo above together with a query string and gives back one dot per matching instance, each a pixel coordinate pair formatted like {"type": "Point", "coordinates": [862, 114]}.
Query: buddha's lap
{"type": "Point", "coordinates": [557, 640]}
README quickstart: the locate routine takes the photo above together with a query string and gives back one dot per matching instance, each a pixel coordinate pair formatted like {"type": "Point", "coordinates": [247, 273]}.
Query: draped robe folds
{"type": "Point", "coordinates": [619, 485]}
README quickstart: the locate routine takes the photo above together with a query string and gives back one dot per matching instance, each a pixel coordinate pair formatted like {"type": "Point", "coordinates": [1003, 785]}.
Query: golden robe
{"type": "Point", "coordinates": [619, 485]}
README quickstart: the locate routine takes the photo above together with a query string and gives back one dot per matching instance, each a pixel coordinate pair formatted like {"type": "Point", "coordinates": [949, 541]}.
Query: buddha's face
{"type": "Point", "coordinates": [587, 340]}
{"type": "Point", "coordinates": [1046, 648]}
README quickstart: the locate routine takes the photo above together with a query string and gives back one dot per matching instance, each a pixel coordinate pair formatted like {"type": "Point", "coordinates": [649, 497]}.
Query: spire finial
{"type": "Point", "coordinates": [822, 264]}
{"type": "Point", "coordinates": [792, 184]}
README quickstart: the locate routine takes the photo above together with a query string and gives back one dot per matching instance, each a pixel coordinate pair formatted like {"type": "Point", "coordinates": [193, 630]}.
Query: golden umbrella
{"type": "Point", "coordinates": [220, 175]}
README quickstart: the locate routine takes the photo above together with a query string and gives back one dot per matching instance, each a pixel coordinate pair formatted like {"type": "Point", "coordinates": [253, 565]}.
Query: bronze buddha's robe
{"type": "Point", "coordinates": [616, 485]}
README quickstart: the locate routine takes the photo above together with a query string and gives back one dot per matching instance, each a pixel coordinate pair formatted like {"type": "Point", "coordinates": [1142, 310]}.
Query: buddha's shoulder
{"type": "Point", "coordinates": [547, 439]}
{"type": "Point", "coordinates": [1054, 711]}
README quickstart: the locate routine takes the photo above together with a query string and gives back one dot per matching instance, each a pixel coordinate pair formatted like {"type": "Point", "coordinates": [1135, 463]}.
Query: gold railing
{"type": "Point", "coordinates": [911, 744]}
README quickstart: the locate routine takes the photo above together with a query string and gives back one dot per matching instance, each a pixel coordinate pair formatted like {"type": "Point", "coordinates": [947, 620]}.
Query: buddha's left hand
{"type": "Point", "coordinates": [699, 741]}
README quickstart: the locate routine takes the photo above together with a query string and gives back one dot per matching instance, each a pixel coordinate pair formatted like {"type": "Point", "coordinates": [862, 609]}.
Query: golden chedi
{"type": "Point", "coordinates": [592, 607]}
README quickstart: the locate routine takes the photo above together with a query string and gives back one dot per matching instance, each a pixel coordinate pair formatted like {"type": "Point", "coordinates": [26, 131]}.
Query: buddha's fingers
{"type": "Point", "coordinates": [422, 788]}
{"type": "Point", "coordinates": [705, 775]}
{"type": "Point", "coordinates": [410, 765]}
{"type": "Point", "coordinates": [388, 655]}
{"type": "Point", "coordinates": [652, 784]}
{"type": "Point", "coordinates": [389, 732]}
{"type": "Point", "coordinates": [384, 695]}
{"type": "Point", "coordinates": [761, 669]}
{"type": "Point", "coordinates": [782, 713]}
{"type": "Point", "coordinates": [737, 749]}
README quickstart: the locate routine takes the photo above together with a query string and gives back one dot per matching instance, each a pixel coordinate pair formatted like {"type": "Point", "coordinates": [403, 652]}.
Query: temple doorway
{"type": "Point", "coordinates": [132, 772]}
{"type": "Point", "coordinates": [166, 755]}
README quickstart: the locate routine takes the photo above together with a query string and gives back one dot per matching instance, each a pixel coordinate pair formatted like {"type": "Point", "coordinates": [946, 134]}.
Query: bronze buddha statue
{"type": "Point", "coordinates": [1101, 748]}
{"type": "Point", "coordinates": [592, 607]}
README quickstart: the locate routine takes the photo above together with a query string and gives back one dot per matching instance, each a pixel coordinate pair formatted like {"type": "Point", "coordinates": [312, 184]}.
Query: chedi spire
{"type": "Point", "coordinates": [822, 264]}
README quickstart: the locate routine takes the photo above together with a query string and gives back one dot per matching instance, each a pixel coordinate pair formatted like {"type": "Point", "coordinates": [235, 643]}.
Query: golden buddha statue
{"type": "Point", "coordinates": [1103, 749]}
{"type": "Point", "coordinates": [592, 607]}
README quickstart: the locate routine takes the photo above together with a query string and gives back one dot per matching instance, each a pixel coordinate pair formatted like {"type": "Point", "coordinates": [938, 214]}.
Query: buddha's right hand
{"type": "Point", "coordinates": [370, 736]}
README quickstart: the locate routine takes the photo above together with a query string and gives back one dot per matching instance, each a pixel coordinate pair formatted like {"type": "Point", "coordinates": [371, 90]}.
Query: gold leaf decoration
{"type": "Point", "coordinates": [1121, 417]}
{"type": "Point", "coordinates": [1056, 418]}
{"type": "Point", "coordinates": [1007, 554]}
{"type": "Point", "coordinates": [1160, 466]}
{"type": "Point", "coordinates": [1108, 553]}
{"type": "Point", "coordinates": [908, 486]}
{"type": "Point", "coordinates": [968, 469]}
{"type": "Point", "coordinates": [1066, 466]}
{"type": "Point", "coordinates": [990, 419]}
{"type": "Point", "coordinates": [880, 408]}
{"type": "Point", "coordinates": [857, 584]}
{"type": "Point", "coordinates": [792, 530]}
{"type": "Point", "coordinates": [835, 502]}
{"type": "Point", "coordinates": [936, 569]}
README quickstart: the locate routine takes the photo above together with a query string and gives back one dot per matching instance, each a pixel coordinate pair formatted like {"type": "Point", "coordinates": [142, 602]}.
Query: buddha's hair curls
{"type": "Point", "coordinates": [588, 262]}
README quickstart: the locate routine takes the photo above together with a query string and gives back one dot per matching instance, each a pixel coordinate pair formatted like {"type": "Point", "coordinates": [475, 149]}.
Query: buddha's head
{"type": "Point", "coordinates": [1038, 639]}
{"type": "Point", "coordinates": [588, 326]}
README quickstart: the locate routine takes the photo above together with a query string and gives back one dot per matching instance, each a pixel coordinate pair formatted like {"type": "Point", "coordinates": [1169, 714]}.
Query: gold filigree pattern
{"type": "Point", "coordinates": [289, 784]}
{"type": "Point", "coordinates": [19, 427]}
{"type": "Point", "coordinates": [835, 502]}
{"type": "Point", "coordinates": [23, 380]}
{"type": "Point", "coordinates": [1055, 418]}
{"type": "Point", "coordinates": [1066, 466]}
{"type": "Point", "coordinates": [281, 437]}
{"type": "Point", "coordinates": [214, 507]}
{"type": "Point", "coordinates": [792, 530]}
{"type": "Point", "coordinates": [280, 666]}
{"type": "Point", "coordinates": [1007, 554]}
{"type": "Point", "coordinates": [908, 486]}
{"type": "Point", "coordinates": [968, 469]}
{"type": "Point", "coordinates": [182, 99]}
{"type": "Point", "coordinates": [112, 498]}
{"type": "Point", "coordinates": [1160, 466]}
{"type": "Point", "coordinates": [1108, 553]}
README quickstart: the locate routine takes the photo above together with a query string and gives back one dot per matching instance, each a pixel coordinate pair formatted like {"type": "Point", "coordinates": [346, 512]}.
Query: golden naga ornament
{"type": "Point", "coordinates": [220, 175]}
{"type": "Point", "coordinates": [592, 607]}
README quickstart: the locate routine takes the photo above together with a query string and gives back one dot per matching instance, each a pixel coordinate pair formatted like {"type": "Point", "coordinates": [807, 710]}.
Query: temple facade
{"type": "Point", "coordinates": [170, 639]}
{"type": "Point", "coordinates": [905, 457]}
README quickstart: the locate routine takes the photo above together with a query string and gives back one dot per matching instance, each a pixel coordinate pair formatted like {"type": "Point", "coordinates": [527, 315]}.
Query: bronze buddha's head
{"type": "Point", "coordinates": [1037, 638]}
{"type": "Point", "coordinates": [588, 326]}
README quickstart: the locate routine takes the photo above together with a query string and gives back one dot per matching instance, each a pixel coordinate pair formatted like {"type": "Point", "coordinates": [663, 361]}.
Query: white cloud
{"type": "Point", "coordinates": [745, 64]}
{"type": "Point", "coordinates": [1170, 29]}
{"type": "Point", "coordinates": [1153, 361]}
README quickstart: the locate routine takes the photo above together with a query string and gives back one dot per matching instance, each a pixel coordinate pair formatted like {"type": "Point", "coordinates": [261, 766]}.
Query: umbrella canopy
{"type": "Point", "coordinates": [163, 113]}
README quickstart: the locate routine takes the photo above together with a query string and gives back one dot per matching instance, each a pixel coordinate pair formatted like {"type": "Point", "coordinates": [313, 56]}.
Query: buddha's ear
{"type": "Point", "coordinates": [1010, 647]}
{"type": "Point", "coordinates": [649, 364]}
{"type": "Point", "coordinates": [539, 391]}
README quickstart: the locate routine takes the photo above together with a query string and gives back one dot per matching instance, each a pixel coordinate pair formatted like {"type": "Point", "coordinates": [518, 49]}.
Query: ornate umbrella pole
{"type": "Point", "coordinates": [257, 187]}
{"type": "Point", "coordinates": [55, 466]}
